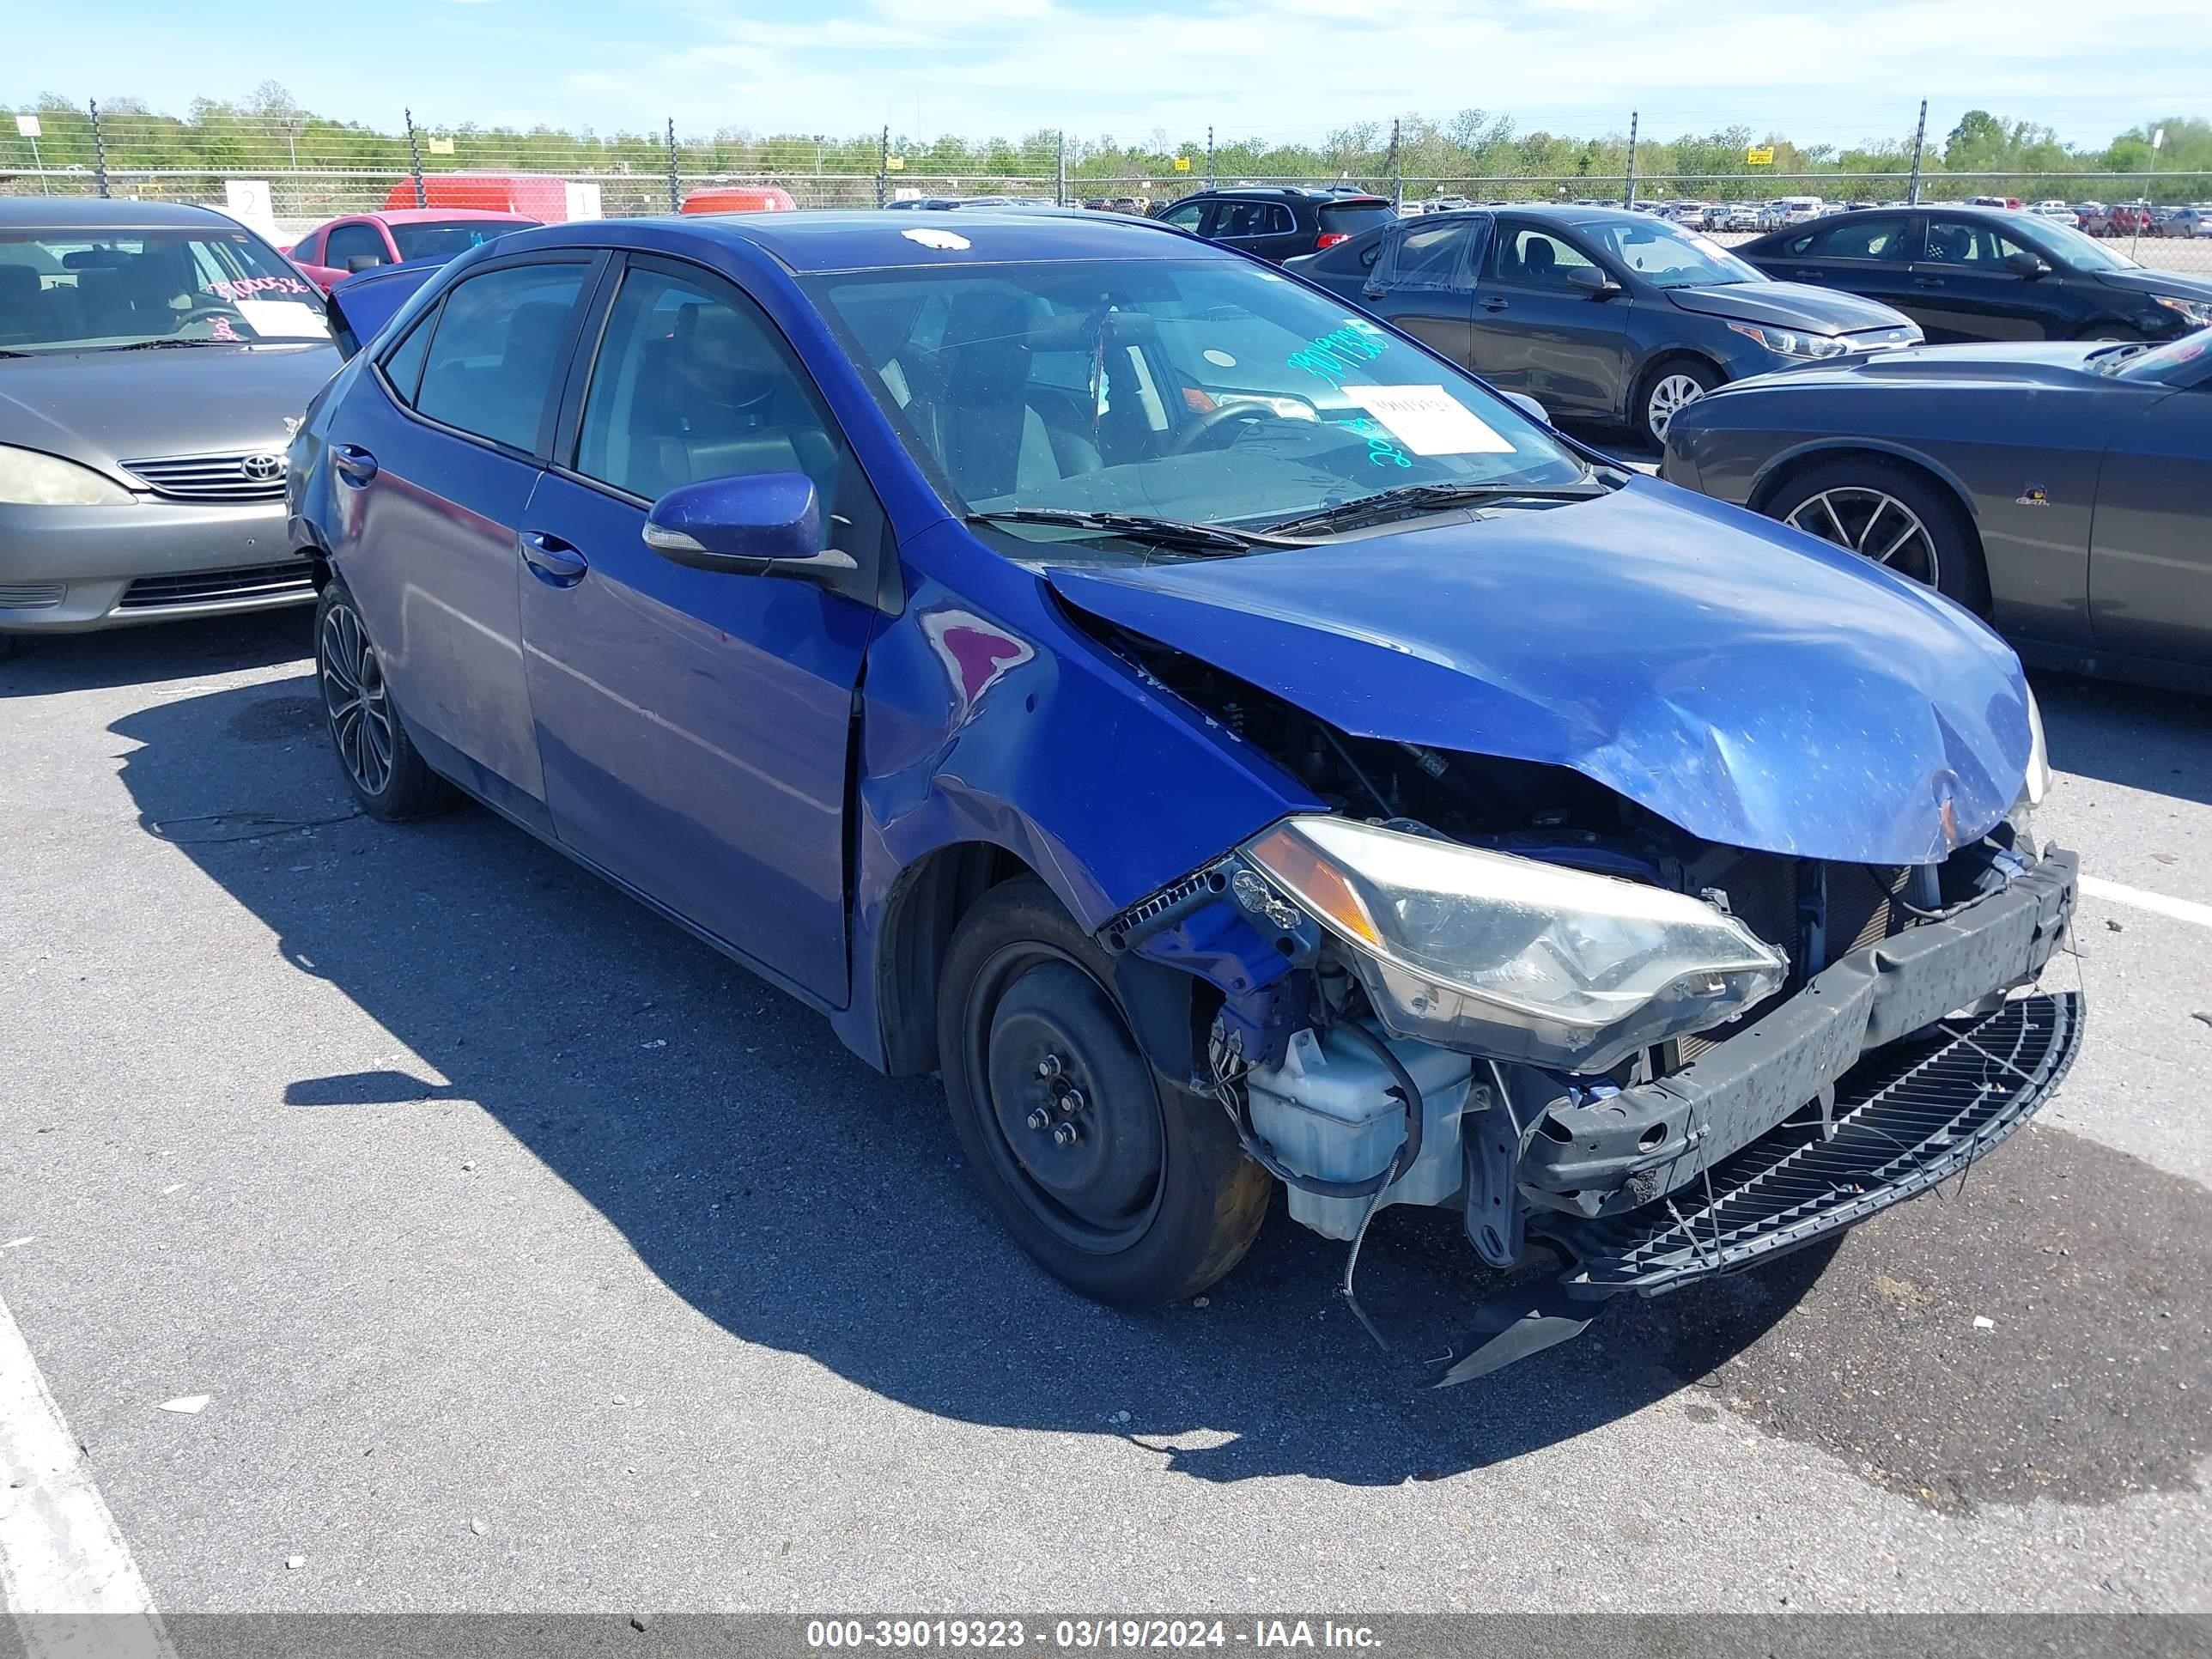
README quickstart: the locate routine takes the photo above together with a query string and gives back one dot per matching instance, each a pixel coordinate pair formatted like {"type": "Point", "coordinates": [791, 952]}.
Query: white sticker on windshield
{"type": "Point", "coordinates": [1219, 359]}
{"type": "Point", "coordinates": [283, 319]}
{"type": "Point", "coordinates": [1428, 420]}
{"type": "Point", "coordinates": [947, 241]}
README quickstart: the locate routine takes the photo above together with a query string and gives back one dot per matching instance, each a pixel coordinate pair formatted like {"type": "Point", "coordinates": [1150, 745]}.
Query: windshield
{"type": "Point", "coordinates": [1666, 256]}
{"type": "Point", "coordinates": [89, 290]}
{"type": "Point", "coordinates": [451, 239]}
{"type": "Point", "coordinates": [2083, 253]}
{"type": "Point", "coordinates": [2161, 363]}
{"type": "Point", "coordinates": [1208, 392]}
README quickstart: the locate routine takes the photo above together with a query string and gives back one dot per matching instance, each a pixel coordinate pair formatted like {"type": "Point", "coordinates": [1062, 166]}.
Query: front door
{"type": "Point", "coordinates": [1424, 282]}
{"type": "Point", "coordinates": [695, 724]}
{"type": "Point", "coordinates": [2150, 562]}
{"type": "Point", "coordinates": [1534, 330]}
{"type": "Point", "coordinates": [1961, 289]}
{"type": "Point", "coordinates": [438, 459]}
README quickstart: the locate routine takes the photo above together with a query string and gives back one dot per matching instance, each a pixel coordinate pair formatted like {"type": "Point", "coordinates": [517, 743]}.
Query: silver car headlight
{"type": "Point", "coordinates": [2195, 312]}
{"type": "Point", "coordinates": [1790, 343]}
{"type": "Point", "coordinates": [1490, 953]}
{"type": "Point", "coordinates": [31, 479]}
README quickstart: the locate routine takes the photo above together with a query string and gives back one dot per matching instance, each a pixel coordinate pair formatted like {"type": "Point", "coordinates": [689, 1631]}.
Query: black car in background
{"type": "Point", "coordinates": [1278, 224]}
{"type": "Point", "coordinates": [1599, 314]}
{"type": "Point", "coordinates": [1972, 274]}
{"type": "Point", "coordinates": [2060, 491]}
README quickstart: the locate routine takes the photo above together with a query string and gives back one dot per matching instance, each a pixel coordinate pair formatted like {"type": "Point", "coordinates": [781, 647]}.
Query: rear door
{"type": "Point", "coordinates": [1871, 257]}
{"type": "Point", "coordinates": [695, 725]}
{"type": "Point", "coordinates": [1424, 281]}
{"type": "Point", "coordinates": [2150, 561]}
{"type": "Point", "coordinates": [1265, 229]}
{"type": "Point", "coordinates": [438, 454]}
{"type": "Point", "coordinates": [1533, 330]}
{"type": "Point", "coordinates": [1961, 289]}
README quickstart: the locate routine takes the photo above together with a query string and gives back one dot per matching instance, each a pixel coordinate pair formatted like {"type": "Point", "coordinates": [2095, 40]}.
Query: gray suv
{"type": "Point", "coordinates": [153, 361]}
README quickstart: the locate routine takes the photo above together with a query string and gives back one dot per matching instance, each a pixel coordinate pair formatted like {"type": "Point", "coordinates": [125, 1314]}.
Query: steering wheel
{"type": "Point", "coordinates": [200, 311]}
{"type": "Point", "coordinates": [1215, 419]}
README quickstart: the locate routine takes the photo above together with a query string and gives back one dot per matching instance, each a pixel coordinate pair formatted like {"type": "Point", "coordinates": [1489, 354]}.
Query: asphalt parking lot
{"type": "Point", "coordinates": [532, 1256]}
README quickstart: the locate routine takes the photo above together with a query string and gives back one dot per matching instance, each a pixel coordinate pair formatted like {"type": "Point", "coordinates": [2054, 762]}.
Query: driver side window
{"type": "Point", "coordinates": [1529, 258]}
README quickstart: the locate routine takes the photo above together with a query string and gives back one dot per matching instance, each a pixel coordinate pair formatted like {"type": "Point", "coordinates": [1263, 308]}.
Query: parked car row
{"type": "Point", "coordinates": [1199, 707]}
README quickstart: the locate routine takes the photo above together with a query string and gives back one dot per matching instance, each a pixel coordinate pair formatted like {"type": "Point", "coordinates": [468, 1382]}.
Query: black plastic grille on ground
{"type": "Point", "coordinates": [259, 582]}
{"type": "Point", "coordinates": [1905, 1118]}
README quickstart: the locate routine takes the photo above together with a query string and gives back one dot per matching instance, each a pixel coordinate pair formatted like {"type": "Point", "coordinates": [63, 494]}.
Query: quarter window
{"type": "Point", "coordinates": [403, 365]}
{"type": "Point", "coordinates": [692, 383]}
{"type": "Point", "coordinates": [500, 342]}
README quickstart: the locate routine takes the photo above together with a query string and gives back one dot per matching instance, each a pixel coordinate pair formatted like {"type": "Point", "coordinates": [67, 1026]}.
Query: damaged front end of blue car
{"type": "Point", "coordinates": [1520, 986]}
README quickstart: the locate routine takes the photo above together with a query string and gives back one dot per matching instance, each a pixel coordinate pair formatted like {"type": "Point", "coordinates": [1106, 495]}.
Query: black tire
{"type": "Point", "coordinates": [1153, 1201]}
{"type": "Point", "coordinates": [1643, 418]}
{"type": "Point", "coordinates": [387, 775]}
{"type": "Point", "coordinates": [1959, 571]}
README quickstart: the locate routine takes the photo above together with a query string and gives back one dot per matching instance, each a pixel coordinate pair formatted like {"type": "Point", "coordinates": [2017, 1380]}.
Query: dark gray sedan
{"type": "Point", "coordinates": [2062, 492]}
{"type": "Point", "coordinates": [153, 360]}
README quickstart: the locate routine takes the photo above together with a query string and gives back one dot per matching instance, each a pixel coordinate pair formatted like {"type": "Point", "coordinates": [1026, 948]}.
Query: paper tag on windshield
{"type": "Point", "coordinates": [283, 319]}
{"type": "Point", "coordinates": [1428, 420]}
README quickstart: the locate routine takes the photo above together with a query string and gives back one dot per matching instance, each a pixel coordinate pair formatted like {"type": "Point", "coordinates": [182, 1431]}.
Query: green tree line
{"type": "Point", "coordinates": [270, 132]}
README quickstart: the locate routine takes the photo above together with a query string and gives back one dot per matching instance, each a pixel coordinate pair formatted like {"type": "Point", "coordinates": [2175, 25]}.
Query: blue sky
{"type": "Point", "coordinates": [1833, 73]}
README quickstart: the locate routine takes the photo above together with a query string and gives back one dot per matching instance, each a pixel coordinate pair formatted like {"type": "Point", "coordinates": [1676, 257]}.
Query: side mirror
{"type": "Point", "coordinates": [1529, 406]}
{"type": "Point", "coordinates": [1593, 281]}
{"type": "Point", "coordinates": [766, 523]}
{"type": "Point", "coordinates": [2026, 264]}
{"type": "Point", "coordinates": [358, 262]}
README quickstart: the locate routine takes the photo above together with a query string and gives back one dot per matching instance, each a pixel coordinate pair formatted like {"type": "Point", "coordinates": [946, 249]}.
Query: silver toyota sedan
{"type": "Point", "coordinates": [153, 361]}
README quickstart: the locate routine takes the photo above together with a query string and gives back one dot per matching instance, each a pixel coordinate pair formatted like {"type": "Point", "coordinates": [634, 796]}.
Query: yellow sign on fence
{"type": "Point", "coordinates": [442, 147]}
{"type": "Point", "coordinates": [1758, 155]}
{"type": "Point", "coordinates": [894, 164]}
{"type": "Point", "coordinates": [1182, 164]}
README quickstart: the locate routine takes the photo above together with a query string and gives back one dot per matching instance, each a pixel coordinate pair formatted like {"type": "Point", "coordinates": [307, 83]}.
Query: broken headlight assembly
{"type": "Point", "coordinates": [1489, 953]}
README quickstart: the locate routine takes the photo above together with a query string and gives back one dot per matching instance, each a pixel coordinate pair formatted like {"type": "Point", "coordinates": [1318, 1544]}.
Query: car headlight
{"type": "Point", "coordinates": [2197, 313]}
{"type": "Point", "coordinates": [1790, 343]}
{"type": "Point", "coordinates": [30, 479]}
{"type": "Point", "coordinates": [1489, 953]}
{"type": "Point", "coordinates": [2039, 759]}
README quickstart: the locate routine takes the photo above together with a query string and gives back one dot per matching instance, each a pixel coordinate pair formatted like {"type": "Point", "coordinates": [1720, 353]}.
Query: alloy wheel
{"type": "Point", "coordinates": [354, 698]}
{"type": "Point", "coordinates": [1669, 394]}
{"type": "Point", "coordinates": [1874, 524]}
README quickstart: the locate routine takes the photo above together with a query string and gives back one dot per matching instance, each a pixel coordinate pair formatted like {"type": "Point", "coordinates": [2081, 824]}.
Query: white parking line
{"type": "Point", "coordinates": [2179, 909]}
{"type": "Point", "coordinates": [60, 1552]}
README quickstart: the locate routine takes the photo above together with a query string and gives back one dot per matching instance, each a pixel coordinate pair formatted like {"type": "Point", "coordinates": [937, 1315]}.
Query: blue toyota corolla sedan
{"type": "Point", "coordinates": [1227, 743]}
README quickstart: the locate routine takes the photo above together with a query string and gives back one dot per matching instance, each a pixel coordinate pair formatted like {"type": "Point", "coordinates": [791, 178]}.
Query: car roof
{"type": "Point", "coordinates": [867, 239]}
{"type": "Point", "coordinates": [1295, 193]}
{"type": "Point", "coordinates": [93, 212]}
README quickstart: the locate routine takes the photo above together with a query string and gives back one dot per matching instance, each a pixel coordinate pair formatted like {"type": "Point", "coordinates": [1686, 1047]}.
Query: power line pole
{"type": "Point", "coordinates": [1209, 158]}
{"type": "Point", "coordinates": [1060, 170]}
{"type": "Point", "coordinates": [1628, 195]}
{"type": "Point", "coordinates": [675, 192]}
{"type": "Point", "coordinates": [1919, 146]}
{"type": "Point", "coordinates": [1397, 171]}
{"type": "Point", "coordinates": [884, 167]}
{"type": "Point", "coordinates": [415, 158]}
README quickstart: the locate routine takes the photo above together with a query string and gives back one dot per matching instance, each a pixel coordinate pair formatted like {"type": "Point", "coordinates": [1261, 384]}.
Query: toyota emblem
{"type": "Point", "coordinates": [262, 469]}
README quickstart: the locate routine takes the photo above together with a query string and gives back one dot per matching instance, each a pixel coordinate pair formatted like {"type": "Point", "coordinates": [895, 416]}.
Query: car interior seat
{"type": "Point", "coordinates": [978, 417]}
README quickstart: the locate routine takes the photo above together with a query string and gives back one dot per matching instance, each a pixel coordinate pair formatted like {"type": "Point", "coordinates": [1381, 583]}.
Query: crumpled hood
{"type": "Point", "coordinates": [1753, 685]}
{"type": "Point", "coordinates": [103, 407]}
{"type": "Point", "coordinates": [1790, 304]}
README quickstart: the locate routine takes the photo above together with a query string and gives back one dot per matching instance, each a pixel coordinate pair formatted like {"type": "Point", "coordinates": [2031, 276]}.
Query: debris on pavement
{"type": "Point", "coordinates": [477, 1525]}
{"type": "Point", "coordinates": [26, 1239]}
{"type": "Point", "coordinates": [294, 1562]}
{"type": "Point", "coordinates": [1982, 1324]}
{"type": "Point", "coordinates": [189, 1405]}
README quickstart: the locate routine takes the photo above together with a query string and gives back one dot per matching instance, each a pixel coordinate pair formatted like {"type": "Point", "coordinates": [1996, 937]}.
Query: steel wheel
{"type": "Point", "coordinates": [354, 698]}
{"type": "Point", "coordinates": [1668, 394]}
{"type": "Point", "coordinates": [1876, 525]}
{"type": "Point", "coordinates": [1078, 1132]}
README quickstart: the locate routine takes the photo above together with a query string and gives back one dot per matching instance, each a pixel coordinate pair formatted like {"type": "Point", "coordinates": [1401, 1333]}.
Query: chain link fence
{"type": "Point", "coordinates": [313, 169]}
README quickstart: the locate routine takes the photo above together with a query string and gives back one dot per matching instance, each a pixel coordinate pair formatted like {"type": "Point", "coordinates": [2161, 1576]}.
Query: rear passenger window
{"type": "Point", "coordinates": [1432, 255]}
{"type": "Point", "coordinates": [350, 242]}
{"type": "Point", "coordinates": [692, 383]}
{"type": "Point", "coordinates": [499, 344]}
{"type": "Point", "coordinates": [1859, 239]}
{"type": "Point", "coordinates": [1253, 219]}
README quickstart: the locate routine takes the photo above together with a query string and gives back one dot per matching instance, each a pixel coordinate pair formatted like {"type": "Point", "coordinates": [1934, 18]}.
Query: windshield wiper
{"type": "Point", "coordinates": [1384, 502]}
{"type": "Point", "coordinates": [164, 345]}
{"type": "Point", "coordinates": [1136, 526]}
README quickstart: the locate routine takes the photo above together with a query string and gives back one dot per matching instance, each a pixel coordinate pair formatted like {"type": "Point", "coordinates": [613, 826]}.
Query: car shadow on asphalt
{"type": "Point", "coordinates": [802, 1201]}
{"type": "Point", "coordinates": [48, 664]}
{"type": "Point", "coordinates": [2133, 735]}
